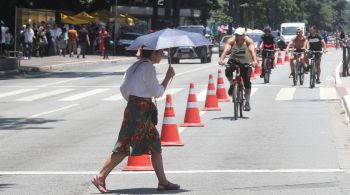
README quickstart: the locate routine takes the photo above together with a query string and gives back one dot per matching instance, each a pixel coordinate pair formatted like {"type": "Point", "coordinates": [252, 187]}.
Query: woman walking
{"type": "Point", "coordinates": [138, 134]}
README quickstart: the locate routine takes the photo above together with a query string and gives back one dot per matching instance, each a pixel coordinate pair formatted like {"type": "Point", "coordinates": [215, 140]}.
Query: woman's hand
{"type": "Point", "coordinates": [170, 73]}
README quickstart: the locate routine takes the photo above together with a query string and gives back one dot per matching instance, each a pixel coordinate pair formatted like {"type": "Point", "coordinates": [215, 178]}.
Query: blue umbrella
{"type": "Point", "coordinates": [169, 38]}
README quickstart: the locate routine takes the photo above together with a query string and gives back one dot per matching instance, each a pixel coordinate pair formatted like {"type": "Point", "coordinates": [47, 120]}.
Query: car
{"type": "Point", "coordinates": [124, 41]}
{"type": "Point", "coordinates": [203, 53]}
{"type": "Point", "coordinates": [222, 43]}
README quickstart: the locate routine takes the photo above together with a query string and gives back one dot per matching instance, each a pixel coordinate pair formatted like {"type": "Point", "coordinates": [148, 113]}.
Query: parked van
{"type": "Point", "coordinates": [288, 30]}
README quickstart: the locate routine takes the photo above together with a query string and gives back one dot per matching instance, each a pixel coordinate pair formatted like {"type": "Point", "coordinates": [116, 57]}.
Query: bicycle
{"type": "Point", "coordinates": [313, 55]}
{"type": "Point", "coordinates": [266, 65]}
{"type": "Point", "coordinates": [238, 88]}
{"type": "Point", "coordinates": [298, 69]}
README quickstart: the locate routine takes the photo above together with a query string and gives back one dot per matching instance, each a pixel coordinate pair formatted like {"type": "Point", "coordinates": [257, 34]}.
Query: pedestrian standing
{"type": "Point", "coordinates": [83, 41]}
{"type": "Point", "coordinates": [42, 41]}
{"type": "Point", "coordinates": [28, 41]}
{"type": "Point", "coordinates": [138, 134]}
{"type": "Point", "coordinates": [101, 36]}
{"type": "Point", "coordinates": [62, 42]}
{"type": "Point", "coordinates": [72, 40]}
{"type": "Point", "coordinates": [108, 43]}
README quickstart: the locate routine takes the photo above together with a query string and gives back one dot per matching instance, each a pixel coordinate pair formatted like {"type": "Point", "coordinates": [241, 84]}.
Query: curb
{"type": "Point", "coordinates": [9, 72]}
{"type": "Point", "coordinates": [346, 101]}
{"type": "Point", "coordinates": [337, 73]}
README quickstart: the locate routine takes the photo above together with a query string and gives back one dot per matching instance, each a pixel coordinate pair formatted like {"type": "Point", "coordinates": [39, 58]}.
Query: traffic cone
{"type": "Point", "coordinates": [252, 75]}
{"type": "Point", "coordinates": [139, 163]}
{"type": "Point", "coordinates": [286, 57]}
{"type": "Point", "coordinates": [170, 134]}
{"type": "Point", "coordinates": [258, 68]}
{"type": "Point", "coordinates": [221, 93]}
{"type": "Point", "coordinates": [211, 102]}
{"type": "Point", "coordinates": [192, 118]}
{"type": "Point", "coordinates": [279, 59]}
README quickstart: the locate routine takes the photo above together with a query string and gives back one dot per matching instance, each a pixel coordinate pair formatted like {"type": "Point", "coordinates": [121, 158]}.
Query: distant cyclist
{"type": "Point", "coordinates": [316, 43]}
{"type": "Point", "coordinates": [267, 42]}
{"type": "Point", "coordinates": [300, 43]}
{"type": "Point", "coordinates": [242, 50]}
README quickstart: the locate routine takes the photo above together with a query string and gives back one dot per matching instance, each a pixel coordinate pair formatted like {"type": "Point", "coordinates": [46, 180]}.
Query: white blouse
{"type": "Point", "coordinates": [140, 80]}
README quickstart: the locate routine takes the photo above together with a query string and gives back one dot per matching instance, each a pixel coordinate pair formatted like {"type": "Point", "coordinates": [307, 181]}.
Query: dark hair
{"type": "Point", "coordinates": [147, 53]}
{"type": "Point", "coordinates": [267, 29]}
{"type": "Point", "coordinates": [313, 27]}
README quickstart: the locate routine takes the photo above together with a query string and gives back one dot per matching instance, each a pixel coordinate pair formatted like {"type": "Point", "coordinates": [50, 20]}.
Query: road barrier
{"type": "Point", "coordinates": [211, 102]}
{"type": "Point", "coordinates": [221, 93]}
{"type": "Point", "coordinates": [139, 163]}
{"type": "Point", "coordinates": [192, 118]}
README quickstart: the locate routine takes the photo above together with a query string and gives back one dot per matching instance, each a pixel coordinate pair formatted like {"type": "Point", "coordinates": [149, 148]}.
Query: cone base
{"type": "Point", "coordinates": [192, 125]}
{"type": "Point", "coordinates": [211, 109]}
{"type": "Point", "coordinates": [172, 143]}
{"type": "Point", "coordinates": [223, 100]}
{"type": "Point", "coordinates": [138, 168]}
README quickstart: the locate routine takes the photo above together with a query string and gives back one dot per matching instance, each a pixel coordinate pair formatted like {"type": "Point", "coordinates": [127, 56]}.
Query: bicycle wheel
{"type": "Point", "coordinates": [301, 74]}
{"type": "Point", "coordinates": [312, 74]}
{"type": "Point", "coordinates": [240, 101]}
{"type": "Point", "coordinates": [267, 71]}
{"type": "Point", "coordinates": [235, 100]}
{"type": "Point", "coordinates": [295, 73]}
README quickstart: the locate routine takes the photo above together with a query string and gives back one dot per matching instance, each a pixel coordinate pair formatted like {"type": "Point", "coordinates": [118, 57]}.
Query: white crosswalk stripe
{"type": "Point", "coordinates": [114, 98]}
{"type": "Point", "coordinates": [328, 93]}
{"type": "Point", "coordinates": [170, 91]}
{"type": "Point", "coordinates": [83, 95]}
{"type": "Point", "coordinates": [44, 95]}
{"type": "Point", "coordinates": [16, 92]}
{"type": "Point", "coordinates": [285, 94]}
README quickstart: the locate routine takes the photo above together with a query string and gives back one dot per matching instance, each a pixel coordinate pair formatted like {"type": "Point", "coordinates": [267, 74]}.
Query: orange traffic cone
{"type": "Point", "coordinates": [258, 68]}
{"type": "Point", "coordinates": [221, 93]}
{"type": "Point", "coordinates": [192, 118]}
{"type": "Point", "coordinates": [279, 59]}
{"type": "Point", "coordinates": [252, 75]}
{"type": "Point", "coordinates": [286, 57]}
{"type": "Point", "coordinates": [211, 102]}
{"type": "Point", "coordinates": [139, 163]}
{"type": "Point", "coordinates": [170, 134]}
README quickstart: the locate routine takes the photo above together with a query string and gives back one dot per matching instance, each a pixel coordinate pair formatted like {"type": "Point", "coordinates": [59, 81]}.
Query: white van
{"type": "Point", "coordinates": [288, 30]}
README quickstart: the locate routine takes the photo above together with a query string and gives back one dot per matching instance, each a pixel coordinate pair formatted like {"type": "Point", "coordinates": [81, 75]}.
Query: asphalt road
{"type": "Point", "coordinates": [56, 129]}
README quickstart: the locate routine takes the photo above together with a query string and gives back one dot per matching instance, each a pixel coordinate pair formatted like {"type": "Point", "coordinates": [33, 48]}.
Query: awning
{"type": "Point", "coordinates": [66, 19]}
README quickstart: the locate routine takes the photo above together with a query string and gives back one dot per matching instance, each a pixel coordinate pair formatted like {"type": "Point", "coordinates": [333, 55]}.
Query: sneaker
{"type": "Point", "coordinates": [247, 106]}
{"type": "Point", "coordinates": [262, 75]}
{"type": "Point", "coordinates": [318, 81]}
{"type": "Point", "coordinates": [230, 90]}
{"type": "Point", "coordinates": [291, 75]}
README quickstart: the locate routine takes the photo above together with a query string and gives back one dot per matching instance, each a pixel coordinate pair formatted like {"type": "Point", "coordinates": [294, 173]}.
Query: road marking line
{"type": "Point", "coordinates": [178, 172]}
{"type": "Point", "coordinates": [285, 94]}
{"type": "Point", "coordinates": [16, 92]}
{"type": "Point", "coordinates": [170, 91]}
{"type": "Point", "coordinates": [114, 98]}
{"type": "Point", "coordinates": [59, 82]}
{"type": "Point", "coordinates": [83, 95]}
{"type": "Point", "coordinates": [52, 111]}
{"type": "Point", "coordinates": [44, 95]}
{"type": "Point", "coordinates": [253, 91]}
{"type": "Point", "coordinates": [327, 93]}
{"type": "Point", "coordinates": [202, 96]}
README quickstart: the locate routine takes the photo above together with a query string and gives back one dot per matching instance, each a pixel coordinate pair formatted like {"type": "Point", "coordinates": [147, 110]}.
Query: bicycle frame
{"type": "Point", "coordinates": [298, 68]}
{"type": "Point", "coordinates": [267, 64]}
{"type": "Point", "coordinates": [313, 67]}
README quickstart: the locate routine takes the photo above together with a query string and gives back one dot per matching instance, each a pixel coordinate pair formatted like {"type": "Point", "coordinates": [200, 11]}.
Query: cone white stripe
{"type": "Point", "coordinates": [168, 105]}
{"type": "Point", "coordinates": [221, 86]}
{"type": "Point", "coordinates": [211, 92]}
{"type": "Point", "coordinates": [169, 121]}
{"type": "Point", "coordinates": [191, 91]}
{"type": "Point", "coordinates": [191, 105]}
{"type": "Point", "coordinates": [211, 81]}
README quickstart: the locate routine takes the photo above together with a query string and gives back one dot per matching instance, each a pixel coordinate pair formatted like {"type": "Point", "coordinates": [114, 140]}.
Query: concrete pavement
{"type": "Point", "coordinates": [342, 85]}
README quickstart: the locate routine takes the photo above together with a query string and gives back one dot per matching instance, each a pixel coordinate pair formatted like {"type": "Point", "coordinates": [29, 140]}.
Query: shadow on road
{"type": "Point", "coordinates": [5, 185]}
{"type": "Point", "coordinates": [229, 118]}
{"type": "Point", "coordinates": [145, 191]}
{"type": "Point", "coordinates": [24, 123]}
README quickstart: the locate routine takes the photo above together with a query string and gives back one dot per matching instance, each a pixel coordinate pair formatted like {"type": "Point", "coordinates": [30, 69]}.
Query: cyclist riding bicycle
{"type": "Point", "coordinates": [267, 42]}
{"type": "Point", "coordinates": [242, 50]}
{"type": "Point", "coordinates": [316, 43]}
{"type": "Point", "coordinates": [300, 44]}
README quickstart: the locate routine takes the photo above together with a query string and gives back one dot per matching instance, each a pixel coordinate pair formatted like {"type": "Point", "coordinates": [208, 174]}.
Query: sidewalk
{"type": "Point", "coordinates": [53, 62]}
{"type": "Point", "coordinates": [342, 85]}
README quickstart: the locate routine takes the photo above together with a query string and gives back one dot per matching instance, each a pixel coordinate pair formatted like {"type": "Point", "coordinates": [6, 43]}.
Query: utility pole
{"type": "Point", "coordinates": [232, 14]}
{"type": "Point", "coordinates": [236, 14]}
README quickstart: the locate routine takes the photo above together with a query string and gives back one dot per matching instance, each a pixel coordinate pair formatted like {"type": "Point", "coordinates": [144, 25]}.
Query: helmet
{"type": "Point", "coordinates": [267, 29]}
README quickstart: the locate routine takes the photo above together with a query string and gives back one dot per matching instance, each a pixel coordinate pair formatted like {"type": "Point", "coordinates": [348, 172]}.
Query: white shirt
{"type": "Point", "coordinates": [3, 33]}
{"type": "Point", "coordinates": [140, 80]}
{"type": "Point", "coordinates": [28, 35]}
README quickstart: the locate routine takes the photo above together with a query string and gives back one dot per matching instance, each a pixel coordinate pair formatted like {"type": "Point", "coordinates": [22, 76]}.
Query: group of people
{"type": "Point", "coordinates": [69, 40]}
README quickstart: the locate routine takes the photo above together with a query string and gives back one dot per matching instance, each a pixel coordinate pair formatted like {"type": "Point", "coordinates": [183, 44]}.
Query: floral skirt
{"type": "Point", "coordinates": [138, 135]}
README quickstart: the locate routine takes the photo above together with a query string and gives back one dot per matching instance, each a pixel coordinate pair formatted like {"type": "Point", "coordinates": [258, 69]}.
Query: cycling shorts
{"type": "Point", "coordinates": [245, 72]}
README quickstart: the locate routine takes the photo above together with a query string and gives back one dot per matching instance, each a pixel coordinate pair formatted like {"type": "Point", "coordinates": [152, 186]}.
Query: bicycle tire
{"type": "Point", "coordinates": [301, 75]}
{"type": "Point", "coordinates": [235, 100]}
{"type": "Point", "coordinates": [295, 81]}
{"type": "Point", "coordinates": [240, 101]}
{"type": "Point", "coordinates": [312, 74]}
{"type": "Point", "coordinates": [267, 71]}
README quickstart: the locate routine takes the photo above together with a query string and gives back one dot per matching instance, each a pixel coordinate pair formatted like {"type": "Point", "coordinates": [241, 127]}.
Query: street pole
{"type": "Point", "coordinates": [15, 47]}
{"type": "Point", "coordinates": [115, 26]}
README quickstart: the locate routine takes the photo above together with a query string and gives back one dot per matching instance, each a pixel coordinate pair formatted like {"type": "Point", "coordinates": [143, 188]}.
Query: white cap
{"type": "Point", "coordinates": [240, 31]}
